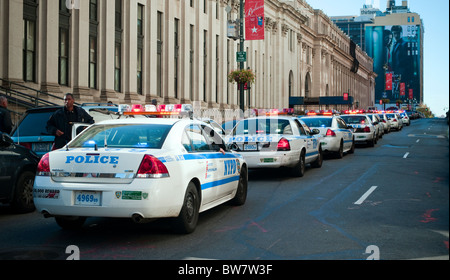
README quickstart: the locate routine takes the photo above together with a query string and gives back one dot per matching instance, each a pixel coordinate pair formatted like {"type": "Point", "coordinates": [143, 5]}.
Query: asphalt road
{"type": "Point", "coordinates": [388, 202]}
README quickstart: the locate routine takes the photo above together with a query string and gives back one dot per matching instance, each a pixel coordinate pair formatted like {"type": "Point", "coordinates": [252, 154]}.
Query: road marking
{"type": "Point", "coordinates": [418, 140]}
{"type": "Point", "coordinates": [406, 155]}
{"type": "Point", "coordinates": [361, 200]}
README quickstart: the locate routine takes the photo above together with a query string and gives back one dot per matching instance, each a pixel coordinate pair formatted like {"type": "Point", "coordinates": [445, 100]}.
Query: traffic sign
{"type": "Point", "coordinates": [241, 57]}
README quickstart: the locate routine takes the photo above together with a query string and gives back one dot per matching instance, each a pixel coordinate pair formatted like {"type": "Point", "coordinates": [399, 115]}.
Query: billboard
{"type": "Point", "coordinates": [395, 50]}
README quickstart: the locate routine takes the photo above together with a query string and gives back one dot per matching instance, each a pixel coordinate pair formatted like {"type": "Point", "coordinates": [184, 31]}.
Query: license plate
{"type": "Point", "coordinates": [268, 160]}
{"type": "Point", "coordinates": [41, 147]}
{"type": "Point", "coordinates": [250, 147]}
{"type": "Point", "coordinates": [360, 137]}
{"type": "Point", "coordinates": [88, 198]}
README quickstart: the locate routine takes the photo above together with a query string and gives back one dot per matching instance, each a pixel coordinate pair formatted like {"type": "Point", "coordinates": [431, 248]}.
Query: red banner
{"type": "Point", "coordinates": [254, 20]}
{"type": "Point", "coordinates": [411, 95]}
{"type": "Point", "coordinates": [402, 89]}
{"type": "Point", "coordinates": [345, 96]}
{"type": "Point", "coordinates": [389, 81]}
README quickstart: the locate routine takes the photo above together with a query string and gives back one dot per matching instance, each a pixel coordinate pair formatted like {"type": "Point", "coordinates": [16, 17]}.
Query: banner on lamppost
{"type": "Point", "coordinates": [254, 20]}
{"type": "Point", "coordinates": [411, 93]}
{"type": "Point", "coordinates": [402, 89]}
{"type": "Point", "coordinates": [388, 81]}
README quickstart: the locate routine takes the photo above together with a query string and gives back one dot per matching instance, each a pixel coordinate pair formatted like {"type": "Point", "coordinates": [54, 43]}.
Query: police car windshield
{"type": "Point", "coordinates": [263, 126]}
{"type": "Point", "coordinates": [146, 136]}
{"type": "Point", "coordinates": [354, 119]}
{"type": "Point", "coordinates": [317, 122]}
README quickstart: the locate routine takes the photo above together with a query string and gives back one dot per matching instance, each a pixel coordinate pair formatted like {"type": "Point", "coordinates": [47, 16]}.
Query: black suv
{"type": "Point", "coordinates": [17, 172]}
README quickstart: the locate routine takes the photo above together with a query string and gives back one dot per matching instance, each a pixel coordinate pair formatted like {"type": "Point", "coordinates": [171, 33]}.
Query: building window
{"type": "Point", "coordinates": [93, 26]}
{"type": "Point", "coordinates": [176, 55]}
{"type": "Point", "coordinates": [140, 40]}
{"type": "Point", "coordinates": [63, 56]}
{"type": "Point", "coordinates": [118, 47]}
{"type": "Point", "coordinates": [205, 62]}
{"type": "Point", "coordinates": [29, 40]}
{"type": "Point", "coordinates": [93, 62]}
{"type": "Point", "coordinates": [29, 51]}
{"type": "Point", "coordinates": [63, 51]}
{"type": "Point", "coordinates": [118, 67]}
{"type": "Point", "coordinates": [191, 62]}
{"type": "Point", "coordinates": [159, 43]}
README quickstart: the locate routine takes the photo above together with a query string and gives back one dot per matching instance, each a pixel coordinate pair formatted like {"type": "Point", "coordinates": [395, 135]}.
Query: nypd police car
{"type": "Point", "coordinates": [337, 135]}
{"type": "Point", "coordinates": [364, 130]}
{"type": "Point", "coordinates": [140, 169]}
{"type": "Point", "coordinates": [277, 141]}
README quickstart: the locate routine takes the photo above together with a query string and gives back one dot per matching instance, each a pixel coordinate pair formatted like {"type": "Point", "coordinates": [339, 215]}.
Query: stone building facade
{"type": "Point", "coordinates": [177, 51]}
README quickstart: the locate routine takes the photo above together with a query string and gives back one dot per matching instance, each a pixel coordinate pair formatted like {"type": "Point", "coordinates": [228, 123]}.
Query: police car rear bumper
{"type": "Point", "coordinates": [270, 159]}
{"type": "Point", "coordinates": [153, 199]}
{"type": "Point", "coordinates": [363, 137]}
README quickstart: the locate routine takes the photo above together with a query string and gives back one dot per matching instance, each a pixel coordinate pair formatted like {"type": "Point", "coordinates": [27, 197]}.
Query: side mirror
{"type": "Point", "coordinates": [5, 140]}
{"type": "Point", "coordinates": [233, 147]}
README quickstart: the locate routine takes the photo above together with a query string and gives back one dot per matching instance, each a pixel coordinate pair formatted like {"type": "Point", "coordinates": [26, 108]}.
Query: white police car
{"type": "Point", "coordinates": [277, 141]}
{"type": "Point", "coordinates": [364, 130]}
{"type": "Point", "coordinates": [337, 135]}
{"type": "Point", "coordinates": [140, 169]}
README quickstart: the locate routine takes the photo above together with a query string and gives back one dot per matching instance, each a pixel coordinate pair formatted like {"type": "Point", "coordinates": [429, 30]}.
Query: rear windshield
{"type": "Point", "coordinates": [317, 122]}
{"type": "Point", "coordinates": [33, 125]}
{"type": "Point", "coordinates": [146, 136]}
{"type": "Point", "coordinates": [354, 119]}
{"type": "Point", "coordinates": [263, 126]}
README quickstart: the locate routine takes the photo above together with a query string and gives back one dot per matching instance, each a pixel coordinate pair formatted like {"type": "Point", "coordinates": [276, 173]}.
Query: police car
{"type": "Point", "coordinates": [364, 130]}
{"type": "Point", "coordinates": [337, 135]}
{"type": "Point", "coordinates": [277, 141]}
{"type": "Point", "coordinates": [141, 169]}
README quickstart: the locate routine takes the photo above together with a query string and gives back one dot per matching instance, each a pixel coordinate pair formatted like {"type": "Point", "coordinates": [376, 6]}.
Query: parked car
{"type": "Point", "coordinates": [337, 135]}
{"type": "Point", "coordinates": [17, 172]}
{"type": "Point", "coordinates": [376, 121]}
{"type": "Point", "coordinates": [396, 121]}
{"type": "Point", "coordinates": [31, 132]}
{"type": "Point", "coordinates": [405, 118]}
{"type": "Point", "coordinates": [386, 122]}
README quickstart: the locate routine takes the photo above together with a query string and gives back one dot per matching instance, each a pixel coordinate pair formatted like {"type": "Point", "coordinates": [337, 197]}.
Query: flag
{"type": "Point", "coordinates": [254, 20]}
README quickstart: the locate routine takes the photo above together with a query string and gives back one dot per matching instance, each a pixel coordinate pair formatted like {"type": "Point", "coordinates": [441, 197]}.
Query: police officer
{"type": "Point", "coordinates": [5, 116]}
{"type": "Point", "coordinates": [61, 122]}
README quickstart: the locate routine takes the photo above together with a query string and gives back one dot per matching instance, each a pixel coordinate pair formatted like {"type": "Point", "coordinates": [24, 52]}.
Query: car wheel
{"type": "Point", "coordinates": [241, 193]}
{"type": "Point", "coordinates": [186, 222]}
{"type": "Point", "coordinates": [70, 222]}
{"type": "Point", "coordinates": [23, 196]}
{"type": "Point", "coordinates": [372, 142]}
{"type": "Point", "coordinates": [352, 150]}
{"type": "Point", "coordinates": [318, 162]}
{"type": "Point", "coordinates": [299, 169]}
{"type": "Point", "coordinates": [340, 153]}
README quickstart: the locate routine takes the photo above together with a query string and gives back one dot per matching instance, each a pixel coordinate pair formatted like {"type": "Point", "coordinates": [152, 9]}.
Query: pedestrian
{"type": "Point", "coordinates": [61, 122]}
{"type": "Point", "coordinates": [5, 116]}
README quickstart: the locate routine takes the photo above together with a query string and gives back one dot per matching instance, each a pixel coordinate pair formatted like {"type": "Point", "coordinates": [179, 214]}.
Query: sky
{"type": "Point", "coordinates": [435, 17]}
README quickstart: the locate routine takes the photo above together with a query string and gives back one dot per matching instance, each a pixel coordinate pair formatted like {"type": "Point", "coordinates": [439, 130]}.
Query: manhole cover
{"type": "Point", "coordinates": [33, 253]}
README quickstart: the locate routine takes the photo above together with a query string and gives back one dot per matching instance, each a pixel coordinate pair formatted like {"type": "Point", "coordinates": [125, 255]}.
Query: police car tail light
{"type": "Point", "coordinates": [283, 145]}
{"type": "Point", "coordinates": [43, 168]}
{"type": "Point", "coordinates": [330, 133]}
{"type": "Point", "coordinates": [366, 129]}
{"type": "Point", "coordinates": [151, 167]}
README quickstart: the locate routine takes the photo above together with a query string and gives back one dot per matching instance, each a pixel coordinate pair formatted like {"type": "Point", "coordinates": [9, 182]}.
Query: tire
{"type": "Point", "coordinates": [318, 162]}
{"type": "Point", "coordinates": [352, 150]}
{"type": "Point", "coordinates": [299, 169]}
{"type": "Point", "coordinates": [340, 153]}
{"type": "Point", "coordinates": [241, 193]}
{"type": "Point", "coordinates": [372, 142]}
{"type": "Point", "coordinates": [186, 222]}
{"type": "Point", "coordinates": [23, 193]}
{"type": "Point", "coordinates": [70, 222]}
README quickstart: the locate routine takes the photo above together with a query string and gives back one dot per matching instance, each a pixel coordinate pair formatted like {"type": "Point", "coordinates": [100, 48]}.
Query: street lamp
{"type": "Point", "coordinates": [241, 45]}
